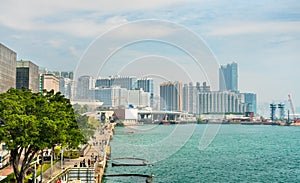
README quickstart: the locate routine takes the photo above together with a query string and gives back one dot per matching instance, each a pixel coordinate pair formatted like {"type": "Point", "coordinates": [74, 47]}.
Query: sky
{"type": "Point", "coordinates": [262, 36]}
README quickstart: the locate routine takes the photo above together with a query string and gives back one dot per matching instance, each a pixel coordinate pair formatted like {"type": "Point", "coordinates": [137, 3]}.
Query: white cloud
{"type": "Point", "coordinates": [240, 28]}
{"type": "Point", "coordinates": [74, 51]}
{"type": "Point", "coordinates": [56, 43]}
{"type": "Point", "coordinates": [34, 15]}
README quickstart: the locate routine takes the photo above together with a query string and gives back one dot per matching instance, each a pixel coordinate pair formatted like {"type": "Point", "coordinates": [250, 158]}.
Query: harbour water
{"type": "Point", "coordinates": [238, 153]}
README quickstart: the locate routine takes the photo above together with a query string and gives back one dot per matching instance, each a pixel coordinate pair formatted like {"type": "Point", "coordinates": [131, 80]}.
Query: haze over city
{"type": "Point", "coordinates": [261, 36]}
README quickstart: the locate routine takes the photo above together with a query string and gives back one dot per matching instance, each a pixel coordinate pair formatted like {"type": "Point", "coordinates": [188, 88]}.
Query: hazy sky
{"type": "Point", "coordinates": [262, 36]}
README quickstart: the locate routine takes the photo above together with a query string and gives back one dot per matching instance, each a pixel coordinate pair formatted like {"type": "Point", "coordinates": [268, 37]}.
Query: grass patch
{"type": "Point", "coordinates": [10, 178]}
{"type": "Point", "coordinates": [38, 171]}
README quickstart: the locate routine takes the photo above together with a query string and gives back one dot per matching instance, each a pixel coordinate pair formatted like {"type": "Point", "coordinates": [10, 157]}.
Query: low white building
{"type": "Point", "coordinates": [127, 116]}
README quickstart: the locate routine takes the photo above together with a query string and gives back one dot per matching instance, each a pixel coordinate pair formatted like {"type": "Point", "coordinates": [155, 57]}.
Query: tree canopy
{"type": "Point", "coordinates": [32, 122]}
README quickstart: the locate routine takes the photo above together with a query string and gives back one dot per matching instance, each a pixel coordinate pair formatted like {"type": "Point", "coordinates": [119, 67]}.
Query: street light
{"type": "Point", "coordinates": [61, 157]}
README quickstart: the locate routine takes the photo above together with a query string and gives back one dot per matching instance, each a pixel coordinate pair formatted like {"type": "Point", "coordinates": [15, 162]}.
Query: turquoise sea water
{"type": "Point", "coordinates": [238, 153]}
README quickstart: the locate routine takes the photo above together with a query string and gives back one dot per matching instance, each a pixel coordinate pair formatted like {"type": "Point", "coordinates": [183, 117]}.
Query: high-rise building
{"type": "Point", "coordinates": [192, 98]}
{"type": "Point", "coordinates": [220, 102]}
{"type": "Point", "coordinates": [49, 82]}
{"type": "Point", "coordinates": [147, 85]}
{"type": "Point", "coordinates": [83, 86]}
{"type": "Point", "coordinates": [65, 87]}
{"type": "Point", "coordinates": [128, 82]}
{"type": "Point", "coordinates": [249, 100]}
{"type": "Point", "coordinates": [171, 96]}
{"type": "Point", "coordinates": [228, 77]}
{"type": "Point", "coordinates": [64, 74]}
{"type": "Point", "coordinates": [8, 59]}
{"type": "Point", "coordinates": [103, 82]}
{"type": "Point", "coordinates": [185, 98]}
{"type": "Point", "coordinates": [27, 76]}
{"type": "Point", "coordinates": [112, 97]}
{"type": "Point", "coordinates": [205, 87]}
{"type": "Point", "coordinates": [66, 82]}
{"type": "Point", "coordinates": [116, 97]}
{"type": "Point", "coordinates": [189, 98]}
{"type": "Point", "coordinates": [138, 98]}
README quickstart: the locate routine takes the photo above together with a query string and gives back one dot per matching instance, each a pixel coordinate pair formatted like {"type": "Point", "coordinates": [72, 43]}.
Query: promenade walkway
{"type": "Point", "coordinates": [97, 149]}
{"type": "Point", "coordinates": [96, 152]}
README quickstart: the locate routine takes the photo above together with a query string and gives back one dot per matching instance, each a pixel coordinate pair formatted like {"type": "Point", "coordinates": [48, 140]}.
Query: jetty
{"type": "Point", "coordinates": [143, 162]}
{"type": "Point", "coordinates": [129, 175]}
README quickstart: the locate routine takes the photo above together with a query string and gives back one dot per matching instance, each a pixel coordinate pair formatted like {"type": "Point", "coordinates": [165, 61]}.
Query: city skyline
{"type": "Point", "coordinates": [262, 37]}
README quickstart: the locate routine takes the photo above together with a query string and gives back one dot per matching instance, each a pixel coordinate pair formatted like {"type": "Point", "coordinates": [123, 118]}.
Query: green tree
{"type": "Point", "coordinates": [80, 109]}
{"type": "Point", "coordinates": [33, 122]}
{"type": "Point", "coordinates": [85, 125]}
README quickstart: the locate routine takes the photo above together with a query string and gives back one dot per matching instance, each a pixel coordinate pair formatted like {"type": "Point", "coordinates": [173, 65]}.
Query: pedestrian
{"type": "Point", "coordinates": [59, 181]}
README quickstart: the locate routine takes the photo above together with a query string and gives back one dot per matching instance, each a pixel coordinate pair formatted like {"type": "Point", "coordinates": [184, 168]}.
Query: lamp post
{"type": "Point", "coordinates": [51, 162]}
{"type": "Point", "coordinates": [34, 180]}
{"type": "Point", "coordinates": [61, 157]}
{"type": "Point", "coordinates": [41, 163]}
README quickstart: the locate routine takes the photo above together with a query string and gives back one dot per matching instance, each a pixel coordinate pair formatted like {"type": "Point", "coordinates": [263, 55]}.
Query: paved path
{"type": "Point", "coordinates": [6, 171]}
{"type": "Point", "coordinates": [95, 152]}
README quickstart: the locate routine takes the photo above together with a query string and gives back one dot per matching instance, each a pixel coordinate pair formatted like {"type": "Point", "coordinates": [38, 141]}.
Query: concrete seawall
{"type": "Point", "coordinates": [100, 167]}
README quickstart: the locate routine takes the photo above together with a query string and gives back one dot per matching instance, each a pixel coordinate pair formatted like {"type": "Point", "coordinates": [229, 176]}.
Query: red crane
{"type": "Point", "coordinates": [296, 120]}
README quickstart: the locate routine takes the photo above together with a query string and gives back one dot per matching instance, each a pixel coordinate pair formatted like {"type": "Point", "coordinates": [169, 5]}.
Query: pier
{"type": "Point", "coordinates": [129, 175]}
{"type": "Point", "coordinates": [143, 162]}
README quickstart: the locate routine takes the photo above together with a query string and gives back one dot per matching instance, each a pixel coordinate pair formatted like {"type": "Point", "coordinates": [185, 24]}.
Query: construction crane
{"type": "Point", "coordinates": [296, 120]}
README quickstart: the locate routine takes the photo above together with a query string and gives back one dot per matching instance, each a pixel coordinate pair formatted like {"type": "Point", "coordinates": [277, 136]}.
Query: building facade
{"type": "Point", "coordinates": [103, 82]}
{"type": "Point", "coordinates": [138, 98]}
{"type": "Point", "coordinates": [112, 97]}
{"type": "Point", "coordinates": [84, 85]}
{"type": "Point", "coordinates": [171, 96]}
{"type": "Point", "coordinates": [64, 74]}
{"type": "Point", "coordinates": [189, 98]}
{"type": "Point", "coordinates": [185, 98]}
{"type": "Point", "coordinates": [27, 75]}
{"type": "Point", "coordinates": [49, 82]}
{"type": "Point", "coordinates": [220, 102]}
{"type": "Point", "coordinates": [128, 82]}
{"type": "Point", "coordinates": [147, 85]}
{"type": "Point", "coordinates": [228, 77]}
{"type": "Point", "coordinates": [8, 59]}
{"type": "Point", "coordinates": [117, 97]}
{"type": "Point", "coordinates": [249, 100]}
{"type": "Point", "coordinates": [65, 87]}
